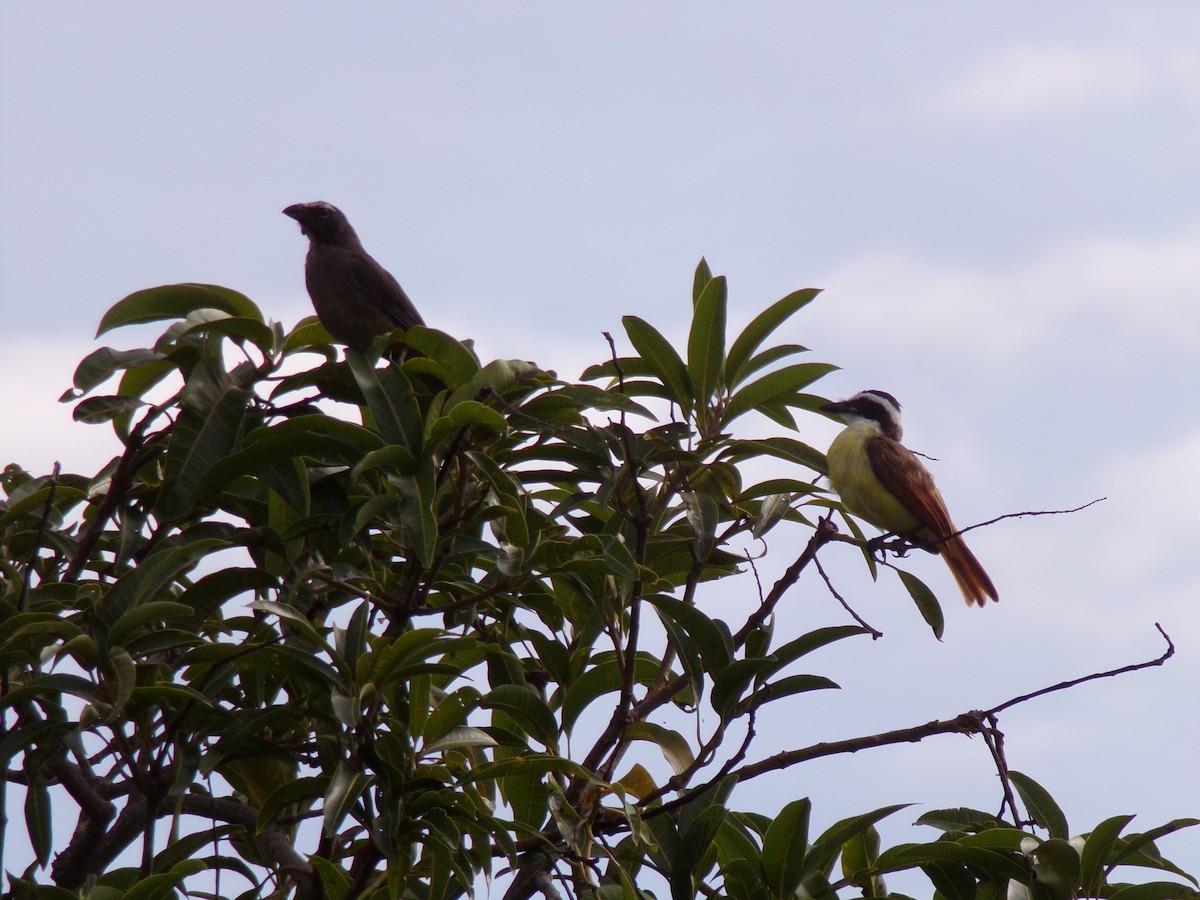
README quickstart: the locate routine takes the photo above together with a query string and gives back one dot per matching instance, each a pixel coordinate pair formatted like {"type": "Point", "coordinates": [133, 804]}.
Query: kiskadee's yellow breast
{"type": "Point", "coordinates": [861, 491]}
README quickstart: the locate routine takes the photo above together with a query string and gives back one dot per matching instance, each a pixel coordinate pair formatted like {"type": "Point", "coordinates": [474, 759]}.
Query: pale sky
{"type": "Point", "coordinates": [1000, 200]}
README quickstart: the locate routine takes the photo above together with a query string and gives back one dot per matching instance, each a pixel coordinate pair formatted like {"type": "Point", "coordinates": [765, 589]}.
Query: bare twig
{"type": "Point", "coordinates": [1063, 685]}
{"type": "Point", "coordinates": [875, 633]}
{"type": "Point", "coordinates": [1037, 512]}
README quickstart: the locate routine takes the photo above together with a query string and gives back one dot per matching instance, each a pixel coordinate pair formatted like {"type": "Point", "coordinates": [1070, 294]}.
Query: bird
{"type": "Point", "coordinates": [355, 297]}
{"type": "Point", "coordinates": [882, 481]}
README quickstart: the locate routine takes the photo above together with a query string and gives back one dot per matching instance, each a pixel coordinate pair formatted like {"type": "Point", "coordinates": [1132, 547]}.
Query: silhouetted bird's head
{"type": "Point", "coordinates": [323, 223]}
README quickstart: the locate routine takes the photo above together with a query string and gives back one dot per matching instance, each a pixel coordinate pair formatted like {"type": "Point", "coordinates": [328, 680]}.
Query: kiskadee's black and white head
{"type": "Point", "coordinates": [877, 408]}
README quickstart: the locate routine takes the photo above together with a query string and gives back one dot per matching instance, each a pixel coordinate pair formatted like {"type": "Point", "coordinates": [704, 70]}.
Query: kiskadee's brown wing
{"type": "Point", "coordinates": [906, 479]}
{"type": "Point", "coordinates": [899, 470]}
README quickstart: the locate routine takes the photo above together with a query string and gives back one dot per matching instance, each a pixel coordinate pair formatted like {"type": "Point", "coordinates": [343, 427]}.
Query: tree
{"type": "Point", "coordinates": [361, 628]}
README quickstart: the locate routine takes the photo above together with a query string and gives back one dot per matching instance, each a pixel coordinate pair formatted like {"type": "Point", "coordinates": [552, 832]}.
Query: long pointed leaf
{"type": "Point", "coordinates": [706, 341]}
{"type": "Point", "coordinates": [760, 328]}
{"type": "Point", "coordinates": [774, 387]}
{"type": "Point", "coordinates": [658, 353]}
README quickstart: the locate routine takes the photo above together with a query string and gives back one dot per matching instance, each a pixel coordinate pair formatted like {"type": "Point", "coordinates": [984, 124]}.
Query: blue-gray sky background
{"type": "Point", "coordinates": [1001, 202]}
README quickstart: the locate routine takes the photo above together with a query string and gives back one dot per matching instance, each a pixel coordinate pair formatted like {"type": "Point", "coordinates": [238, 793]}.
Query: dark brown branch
{"type": "Point", "coordinates": [1063, 685]}
{"type": "Point", "coordinates": [994, 738]}
{"type": "Point", "coordinates": [823, 534]}
{"type": "Point", "coordinates": [975, 722]}
{"type": "Point", "coordinates": [93, 847]}
{"type": "Point", "coordinates": [875, 633]}
{"type": "Point", "coordinates": [1038, 512]}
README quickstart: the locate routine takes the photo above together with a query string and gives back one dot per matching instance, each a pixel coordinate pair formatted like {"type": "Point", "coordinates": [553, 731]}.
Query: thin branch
{"type": "Point", "coordinates": [875, 633]}
{"type": "Point", "coordinates": [994, 738]}
{"type": "Point", "coordinates": [900, 544]}
{"type": "Point", "coordinates": [1037, 512]}
{"type": "Point", "coordinates": [974, 722]}
{"type": "Point", "coordinates": [1063, 685]}
{"type": "Point", "coordinates": [824, 532]}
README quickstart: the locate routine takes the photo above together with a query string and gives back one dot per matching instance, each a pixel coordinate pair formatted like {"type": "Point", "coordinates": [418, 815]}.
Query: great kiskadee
{"type": "Point", "coordinates": [882, 481]}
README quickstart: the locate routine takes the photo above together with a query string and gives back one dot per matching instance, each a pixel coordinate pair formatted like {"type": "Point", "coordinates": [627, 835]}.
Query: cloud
{"type": "Point", "coordinates": [1029, 82]}
{"type": "Point", "coordinates": [46, 433]}
{"type": "Point", "coordinates": [1144, 288]}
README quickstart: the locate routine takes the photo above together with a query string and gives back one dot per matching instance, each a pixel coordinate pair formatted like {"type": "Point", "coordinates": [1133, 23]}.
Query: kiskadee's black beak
{"type": "Point", "coordinates": [840, 406]}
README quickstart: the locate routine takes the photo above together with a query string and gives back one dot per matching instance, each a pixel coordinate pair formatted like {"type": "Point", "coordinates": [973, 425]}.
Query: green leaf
{"type": "Point", "coordinates": [98, 410]}
{"type": "Point", "coordinates": [417, 512]}
{"type": "Point", "coordinates": [732, 682]}
{"type": "Point", "coordinates": [785, 448]}
{"type": "Point", "coordinates": [1140, 849]}
{"type": "Point", "coordinates": [785, 846]}
{"type": "Point", "coordinates": [713, 641]}
{"type": "Point", "coordinates": [661, 357]}
{"type": "Point", "coordinates": [390, 398]}
{"type": "Point", "coordinates": [814, 640]}
{"type": "Point", "coordinates": [151, 578]}
{"type": "Point", "coordinates": [760, 329]}
{"type": "Point", "coordinates": [334, 879]}
{"type": "Point", "coordinates": [458, 738]}
{"type": "Point", "coordinates": [825, 849]}
{"type": "Point", "coordinates": [774, 387]}
{"type": "Point", "coordinates": [859, 854]}
{"type": "Point", "coordinates": [528, 797]}
{"type": "Point", "coordinates": [526, 708]}
{"type": "Point", "coordinates": [38, 824]}
{"type": "Point", "coordinates": [1154, 890]}
{"type": "Point", "coordinates": [175, 301]}
{"type": "Point", "coordinates": [99, 365]}
{"type": "Point", "coordinates": [693, 848]}
{"type": "Point", "coordinates": [316, 436]}
{"type": "Point", "coordinates": [207, 429]}
{"type": "Point", "coordinates": [947, 853]}
{"type": "Point", "coordinates": [604, 677]}
{"type": "Point", "coordinates": [787, 687]}
{"type": "Point", "coordinates": [152, 611]}
{"type": "Point", "coordinates": [1040, 805]}
{"type": "Point", "coordinates": [294, 791]}
{"type": "Point", "coordinates": [47, 688]}
{"type": "Point", "coordinates": [927, 603]}
{"type": "Point", "coordinates": [769, 357]}
{"type": "Point", "coordinates": [163, 886]}
{"type": "Point", "coordinates": [239, 329]}
{"type": "Point", "coordinates": [958, 819]}
{"type": "Point", "coordinates": [704, 517]}
{"type": "Point", "coordinates": [1056, 868]}
{"type": "Point", "coordinates": [451, 711]}
{"type": "Point", "coordinates": [706, 340]}
{"type": "Point", "coordinates": [456, 361]}
{"type": "Point", "coordinates": [674, 746]}
{"type": "Point", "coordinates": [700, 279]}
{"type": "Point", "coordinates": [1097, 849]}
{"type": "Point", "coordinates": [345, 787]}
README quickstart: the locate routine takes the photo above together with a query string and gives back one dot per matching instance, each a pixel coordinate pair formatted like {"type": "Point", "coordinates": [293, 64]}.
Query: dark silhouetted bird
{"type": "Point", "coordinates": [355, 297]}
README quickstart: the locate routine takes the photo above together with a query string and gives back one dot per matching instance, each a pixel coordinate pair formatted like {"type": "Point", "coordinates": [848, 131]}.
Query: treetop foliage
{"type": "Point", "coordinates": [402, 624]}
